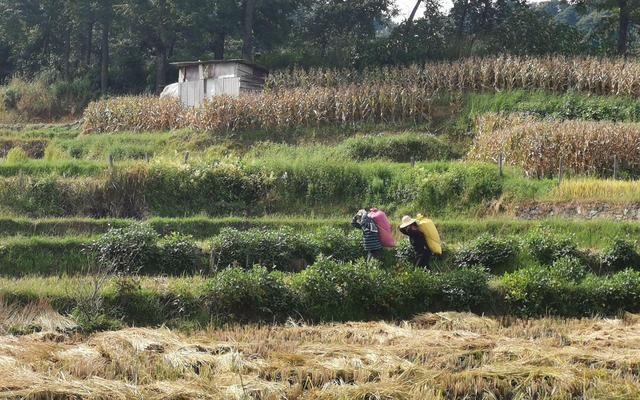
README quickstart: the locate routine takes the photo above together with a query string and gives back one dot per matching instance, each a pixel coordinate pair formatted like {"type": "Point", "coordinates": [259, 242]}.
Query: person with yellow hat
{"type": "Point", "coordinates": [409, 227]}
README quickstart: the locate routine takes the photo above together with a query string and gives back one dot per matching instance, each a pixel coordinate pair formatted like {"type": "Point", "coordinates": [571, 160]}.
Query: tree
{"type": "Point", "coordinates": [106, 15]}
{"type": "Point", "coordinates": [159, 24]}
{"type": "Point", "coordinates": [247, 35]}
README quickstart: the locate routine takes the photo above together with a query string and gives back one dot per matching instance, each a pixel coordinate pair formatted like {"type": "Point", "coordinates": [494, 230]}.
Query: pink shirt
{"type": "Point", "coordinates": [384, 227]}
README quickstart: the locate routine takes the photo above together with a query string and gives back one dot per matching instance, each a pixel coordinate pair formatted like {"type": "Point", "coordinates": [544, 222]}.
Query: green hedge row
{"type": "Point", "coordinates": [261, 187]}
{"type": "Point", "coordinates": [587, 233]}
{"type": "Point", "coordinates": [140, 248]}
{"type": "Point", "coordinates": [333, 291]}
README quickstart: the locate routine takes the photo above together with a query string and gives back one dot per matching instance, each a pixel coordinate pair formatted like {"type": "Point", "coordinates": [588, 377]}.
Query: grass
{"type": "Point", "coordinates": [433, 356]}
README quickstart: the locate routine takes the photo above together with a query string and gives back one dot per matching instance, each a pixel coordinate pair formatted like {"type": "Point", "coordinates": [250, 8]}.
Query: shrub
{"type": "Point", "coordinates": [535, 290]}
{"type": "Point", "coordinates": [610, 295]}
{"type": "Point", "coordinates": [342, 291]}
{"type": "Point", "coordinates": [568, 268]}
{"type": "Point", "coordinates": [179, 254]}
{"type": "Point", "coordinates": [257, 294]}
{"type": "Point", "coordinates": [443, 186]}
{"type": "Point", "coordinates": [282, 248]}
{"type": "Point", "coordinates": [619, 255]}
{"type": "Point", "coordinates": [334, 243]}
{"type": "Point", "coordinates": [126, 250]}
{"type": "Point", "coordinates": [464, 289]}
{"type": "Point", "coordinates": [405, 252]}
{"type": "Point", "coordinates": [398, 148]}
{"type": "Point", "coordinates": [496, 254]}
{"type": "Point", "coordinates": [547, 247]}
{"type": "Point", "coordinates": [17, 155]}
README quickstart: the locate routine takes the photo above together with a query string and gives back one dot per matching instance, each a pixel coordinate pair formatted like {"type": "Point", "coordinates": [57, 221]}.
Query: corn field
{"type": "Point", "coordinates": [556, 74]}
{"type": "Point", "coordinates": [277, 110]}
{"type": "Point", "coordinates": [538, 147]}
{"type": "Point", "coordinates": [133, 113]}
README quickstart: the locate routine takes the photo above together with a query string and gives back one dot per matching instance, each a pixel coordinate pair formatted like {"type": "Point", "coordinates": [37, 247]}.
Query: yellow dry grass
{"type": "Point", "coordinates": [609, 191]}
{"type": "Point", "coordinates": [434, 356]}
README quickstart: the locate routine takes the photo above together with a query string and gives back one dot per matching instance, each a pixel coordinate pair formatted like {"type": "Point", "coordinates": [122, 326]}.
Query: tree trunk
{"type": "Point", "coordinates": [218, 45]}
{"type": "Point", "coordinates": [413, 13]}
{"type": "Point", "coordinates": [104, 60]}
{"type": "Point", "coordinates": [462, 18]}
{"type": "Point", "coordinates": [88, 44]}
{"type": "Point", "coordinates": [623, 27]}
{"type": "Point", "coordinates": [161, 69]}
{"type": "Point", "coordinates": [247, 39]}
{"type": "Point", "coordinates": [66, 67]}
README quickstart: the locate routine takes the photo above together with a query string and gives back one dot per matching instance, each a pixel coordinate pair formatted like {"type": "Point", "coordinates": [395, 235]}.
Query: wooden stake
{"type": "Point", "coordinates": [560, 171]}
{"type": "Point", "coordinates": [110, 161]}
{"type": "Point", "coordinates": [501, 164]}
{"type": "Point", "coordinates": [186, 157]}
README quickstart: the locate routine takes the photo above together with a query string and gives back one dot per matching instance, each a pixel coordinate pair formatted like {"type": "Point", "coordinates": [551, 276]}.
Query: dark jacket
{"type": "Point", "coordinates": [417, 240]}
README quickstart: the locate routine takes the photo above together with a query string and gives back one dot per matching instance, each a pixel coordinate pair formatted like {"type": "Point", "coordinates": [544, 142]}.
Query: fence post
{"type": "Point", "coordinates": [560, 171]}
{"type": "Point", "coordinates": [615, 166]}
{"type": "Point", "coordinates": [413, 161]}
{"type": "Point", "coordinates": [501, 164]}
{"type": "Point", "coordinates": [146, 157]}
{"type": "Point", "coordinates": [186, 157]}
{"type": "Point", "coordinates": [110, 161]}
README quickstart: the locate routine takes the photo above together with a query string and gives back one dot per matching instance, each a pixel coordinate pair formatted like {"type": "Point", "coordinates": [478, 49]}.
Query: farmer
{"type": "Point", "coordinates": [409, 227]}
{"type": "Point", "coordinates": [371, 239]}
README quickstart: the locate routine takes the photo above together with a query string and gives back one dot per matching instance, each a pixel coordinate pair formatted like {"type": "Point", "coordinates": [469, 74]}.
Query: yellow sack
{"type": "Point", "coordinates": [428, 229]}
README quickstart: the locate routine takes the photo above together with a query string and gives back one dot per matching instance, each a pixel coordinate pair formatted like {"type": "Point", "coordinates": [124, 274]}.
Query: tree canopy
{"type": "Point", "coordinates": [125, 46]}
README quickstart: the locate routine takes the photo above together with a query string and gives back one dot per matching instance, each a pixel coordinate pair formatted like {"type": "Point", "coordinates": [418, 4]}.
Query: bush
{"type": "Point", "coordinates": [126, 250]}
{"type": "Point", "coordinates": [282, 248]}
{"type": "Point", "coordinates": [464, 289]}
{"type": "Point", "coordinates": [397, 148]}
{"type": "Point", "coordinates": [496, 254]}
{"type": "Point", "coordinates": [547, 247]}
{"type": "Point", "coordinates": [535, 290]}
{"type": "Point", "coordinates": [179, 254]}
{"type": "Point", "coordinates": [619, 255]}
{"type": "Point", "coordinates": [17, 155]}
{"type": "Point", "coordinates": [257, 294]}
{"type": "Point", "coordinates": [329, 290]}
{"type": "Point", "coordinates": [457, 186]}
{"type": "Point", "coordinates": [569, 269]}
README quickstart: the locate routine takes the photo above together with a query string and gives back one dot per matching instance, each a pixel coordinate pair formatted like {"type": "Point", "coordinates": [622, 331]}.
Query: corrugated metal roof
{"type": "Point", "coordinates": [232, 61]}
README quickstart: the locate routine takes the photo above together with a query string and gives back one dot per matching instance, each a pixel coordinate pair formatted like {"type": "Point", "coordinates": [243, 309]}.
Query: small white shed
{"type": "Point", "coordinates": [198, 80]}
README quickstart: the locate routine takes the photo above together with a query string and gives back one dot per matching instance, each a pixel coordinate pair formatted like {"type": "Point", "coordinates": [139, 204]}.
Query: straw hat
{"type": "Point", "coordinates": [406, 221]}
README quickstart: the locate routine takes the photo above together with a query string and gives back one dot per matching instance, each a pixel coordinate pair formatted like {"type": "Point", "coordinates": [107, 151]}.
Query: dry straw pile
{"type": "Point", "coordinates": [436, 356]}
{"type": "Point", "coordinates": [277, 110]}
{"type": "Point", "coordinates": [538, 147]}
{"type": "Point", "coordinates": [602, 76]}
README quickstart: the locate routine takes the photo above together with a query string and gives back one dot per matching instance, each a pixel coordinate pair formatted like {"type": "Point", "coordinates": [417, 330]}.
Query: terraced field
{"type": "Point", "coordinates": [234, 236]}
